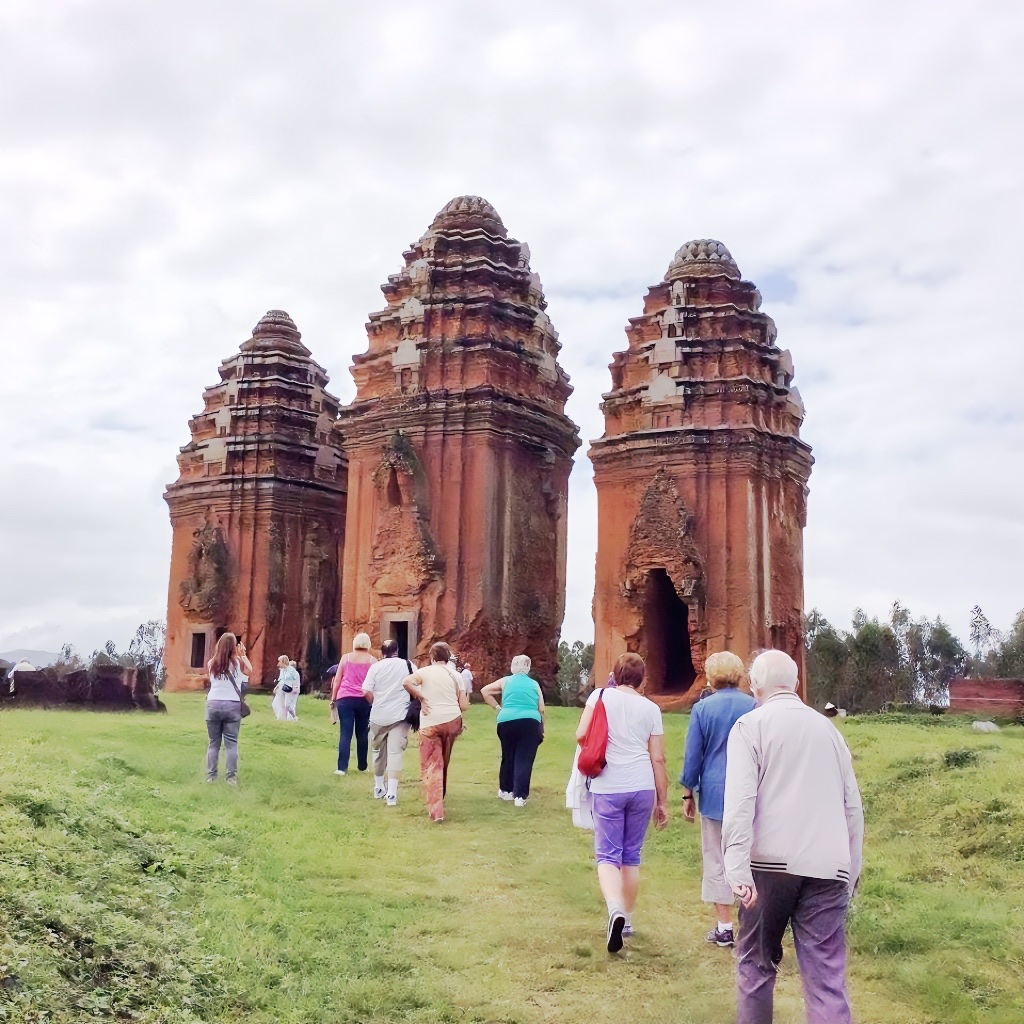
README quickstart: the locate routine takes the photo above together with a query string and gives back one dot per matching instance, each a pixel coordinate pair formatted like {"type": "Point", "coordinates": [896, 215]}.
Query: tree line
{"type": "Point", "coordinates": [146, 649]}
{"type": "Point", "coordinates": [903, 660]}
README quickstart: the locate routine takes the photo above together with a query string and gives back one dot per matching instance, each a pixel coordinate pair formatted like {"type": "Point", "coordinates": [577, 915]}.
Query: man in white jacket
{"type": "Point", "coordinates": [793, 832]}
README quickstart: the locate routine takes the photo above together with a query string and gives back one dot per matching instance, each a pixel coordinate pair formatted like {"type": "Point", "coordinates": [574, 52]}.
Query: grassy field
{"type": "Point", "coordinates": [131, 890]}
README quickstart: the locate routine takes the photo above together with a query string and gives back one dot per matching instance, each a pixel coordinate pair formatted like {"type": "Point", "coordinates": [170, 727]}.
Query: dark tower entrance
{"type": "Point", "coordinates": [666, 630]}
{"type": "Point", "coordinates": [400, 634]}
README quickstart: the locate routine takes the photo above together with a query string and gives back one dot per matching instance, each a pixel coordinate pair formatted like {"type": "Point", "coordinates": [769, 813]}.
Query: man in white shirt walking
{"type": "Point", "coordinates": [467, 680]}
{"type": "Point", "coordinates": [793, 832]}
{"type": "Point", "coordinates": [389, 731]}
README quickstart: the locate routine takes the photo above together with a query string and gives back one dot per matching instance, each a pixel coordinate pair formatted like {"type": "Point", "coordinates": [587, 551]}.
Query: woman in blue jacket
{"type": "Point", "coordinates": [711, 720]}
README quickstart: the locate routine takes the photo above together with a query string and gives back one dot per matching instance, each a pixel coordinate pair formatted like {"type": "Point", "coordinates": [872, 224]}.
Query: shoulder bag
{"type": "Point", "coordinates": [595, 744]}
{"type": "Point", "coordinates": [412, 716]}
{"type": "Point", "coordinates": [243, 709]}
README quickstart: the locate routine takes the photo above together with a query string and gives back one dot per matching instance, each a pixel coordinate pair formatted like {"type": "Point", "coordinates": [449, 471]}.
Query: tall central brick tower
{"type": "Point", "coordinates": [701, 481]}
{"type": "Point", "coordinates": [459, 453]}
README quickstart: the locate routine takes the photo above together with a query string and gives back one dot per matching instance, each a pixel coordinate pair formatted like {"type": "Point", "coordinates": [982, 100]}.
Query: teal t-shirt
{"type": "Point", "coordinates": [520, 698]}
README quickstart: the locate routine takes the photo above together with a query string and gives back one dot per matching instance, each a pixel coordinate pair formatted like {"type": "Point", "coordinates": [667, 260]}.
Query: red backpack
{"type": "Point", "coordinates": [591, 761]}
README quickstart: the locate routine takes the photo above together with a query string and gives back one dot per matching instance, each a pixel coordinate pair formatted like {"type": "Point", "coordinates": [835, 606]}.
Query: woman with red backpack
{"type": "Point", "coordinates": [627, 790]}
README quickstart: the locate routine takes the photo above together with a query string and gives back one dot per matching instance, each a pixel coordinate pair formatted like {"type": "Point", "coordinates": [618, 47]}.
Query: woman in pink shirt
{"type": "Point", "coordinates": [352, 707]}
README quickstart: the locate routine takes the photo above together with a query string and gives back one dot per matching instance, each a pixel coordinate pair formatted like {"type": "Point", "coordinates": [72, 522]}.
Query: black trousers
{"type": "Point", "coordinates": [520, 739]}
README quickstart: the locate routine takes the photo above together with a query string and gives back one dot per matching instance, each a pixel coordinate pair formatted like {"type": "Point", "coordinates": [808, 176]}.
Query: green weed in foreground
{"type": "Point", "coordinates": [130, 890]}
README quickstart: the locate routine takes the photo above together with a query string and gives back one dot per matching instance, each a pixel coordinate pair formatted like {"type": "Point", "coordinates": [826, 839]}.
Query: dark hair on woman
{"type": "Point", "coordinates": [223, 655]}
{"type": "Point", "coordinates": [629, 671]}
{"type": "Point", "coordinates": [440, 652]}
{"type": "Point", "coordinates": [389, 648]}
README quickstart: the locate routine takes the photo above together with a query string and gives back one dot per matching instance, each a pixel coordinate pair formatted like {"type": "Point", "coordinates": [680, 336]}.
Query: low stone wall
{"type": "Point", "coordinates": [104, 688]}
{"type": "Point", "coordinates": [1002, 697]}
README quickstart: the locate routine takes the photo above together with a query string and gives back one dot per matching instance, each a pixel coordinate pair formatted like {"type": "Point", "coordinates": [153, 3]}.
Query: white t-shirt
{"type": "Point", "coordinates": [390, 699]}
{"type": "Point", "coordinates": [632, 721]}
{"type": "Point", "coordinates": [467, 680]}
{"type": "Point", "coordinates": [221, 688]}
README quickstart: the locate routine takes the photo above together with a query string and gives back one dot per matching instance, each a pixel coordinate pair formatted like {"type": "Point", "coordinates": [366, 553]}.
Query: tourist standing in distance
{"type": "Point", "coordinates": [442, 701]}
{"type": "Point", "coordinates": [228, 670]}
{"type": "Point", "coordinates": [283, 705]}
{"type": "Point", "coordinates": [711, 719]}
{"type": "Point", "coordinates": [293, 697]}
{"type": "Point", "coordinates": [350, 704]}
{"type": "Point", "coordinates": [24, 665]}
{"type": "Point", "coordinates": [383, 689]}
{"type": "Point", "coordinates": [520, 728]}
{"type": "Point", "coordinates": [793, 832]}
{"type": "Point", "coordinates": [632, 787]}
{"type": "Point", "coordinates": [467, 679]}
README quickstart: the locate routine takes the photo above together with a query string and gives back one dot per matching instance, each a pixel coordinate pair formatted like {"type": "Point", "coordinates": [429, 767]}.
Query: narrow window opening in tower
{"type": "Point", "coordinates": [394, 491]}
{"type": "Point", "coordinates": [667, 636]}
{"type": "Point", "coordinates": [197, 657]}
{"type": "Point", "coordinates": [400, 634]}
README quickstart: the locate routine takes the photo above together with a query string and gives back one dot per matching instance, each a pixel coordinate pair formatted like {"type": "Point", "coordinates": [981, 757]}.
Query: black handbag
{"type": "Point", "coordinates": [412, 716]}
{"type": "Point", "coordinates": [287, 688]}
{"type": "Point", "coordinates": [244, 710]}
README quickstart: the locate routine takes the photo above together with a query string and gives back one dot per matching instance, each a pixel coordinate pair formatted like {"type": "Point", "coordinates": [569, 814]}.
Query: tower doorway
{"type": "Point", "coordinates": [666, 625]}
{"type": "Point", "coordinates": [400, 634]}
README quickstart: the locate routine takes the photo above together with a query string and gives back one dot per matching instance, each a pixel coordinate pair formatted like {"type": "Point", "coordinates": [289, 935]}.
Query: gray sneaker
{"type": "Point", "coordinates": [720, 937]}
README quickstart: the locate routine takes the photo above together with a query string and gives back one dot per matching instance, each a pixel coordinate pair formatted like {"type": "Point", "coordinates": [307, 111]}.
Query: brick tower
{"type": "Point", "coordinates": [701, 480]}
{"type": "Point", "coordinates": [459, 454]}
{"type": "Point", "coordinates": [257, 514]}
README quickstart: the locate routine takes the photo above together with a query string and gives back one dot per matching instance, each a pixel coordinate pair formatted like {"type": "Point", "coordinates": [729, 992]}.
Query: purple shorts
{"type": "Point", "coordinates": [620, 825]}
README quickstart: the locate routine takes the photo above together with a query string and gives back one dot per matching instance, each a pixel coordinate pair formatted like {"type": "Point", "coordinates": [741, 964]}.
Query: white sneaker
{"type": "Point", "coordinates": [391, 800]}
{"type": "Point", "coordinates": [338, 771]}
{"type": "Point", "coordinates": [520, 801]}
{"type": "Point", "coordinates": [502, 795]}
{"type": "Point", "coordinates": [379, 794]}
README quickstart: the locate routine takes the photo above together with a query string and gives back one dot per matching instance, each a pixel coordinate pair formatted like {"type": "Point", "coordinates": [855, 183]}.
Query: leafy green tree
{"type": "Point", "coordinates": [573, 662]}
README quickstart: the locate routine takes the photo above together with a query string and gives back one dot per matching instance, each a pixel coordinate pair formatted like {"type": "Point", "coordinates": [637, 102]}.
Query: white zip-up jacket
{"type": "Point", "coordinates": [791, 798]}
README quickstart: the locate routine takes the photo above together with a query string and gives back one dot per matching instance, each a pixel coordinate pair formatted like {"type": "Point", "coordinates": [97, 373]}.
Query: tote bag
{"type": "Point", "coordinates": [592, 751]}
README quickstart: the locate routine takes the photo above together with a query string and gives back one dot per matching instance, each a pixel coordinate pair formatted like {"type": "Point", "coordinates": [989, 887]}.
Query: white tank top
{"type": "Point", "coordinates": [221, 688]}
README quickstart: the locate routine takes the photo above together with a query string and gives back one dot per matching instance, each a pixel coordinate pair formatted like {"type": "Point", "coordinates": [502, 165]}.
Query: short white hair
{"type": "Point", "coordinates": [774, 670]}
{"type": "Point", "coordinates": [284, 658]}
{"type": "Point", "coordinates": [521, 664]}
{"type": "Point", "coordinates": [361, 642]}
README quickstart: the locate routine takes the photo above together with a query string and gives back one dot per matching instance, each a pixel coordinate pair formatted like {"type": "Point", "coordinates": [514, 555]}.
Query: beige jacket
{"type": "Point", "coordinates": [791, 798]}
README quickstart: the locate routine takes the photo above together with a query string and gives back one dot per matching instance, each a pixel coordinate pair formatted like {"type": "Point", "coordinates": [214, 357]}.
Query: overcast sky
{"type": "Point", "coordinates": [171, 171]}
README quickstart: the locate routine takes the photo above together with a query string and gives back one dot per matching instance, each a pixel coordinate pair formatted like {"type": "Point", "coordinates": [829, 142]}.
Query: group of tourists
{"type": "Point", "coordinates": [782, 825]}
{"type": "Point", "coordinates": [378, 703]}
{"type": "Point", "coordinates": [780, 812]}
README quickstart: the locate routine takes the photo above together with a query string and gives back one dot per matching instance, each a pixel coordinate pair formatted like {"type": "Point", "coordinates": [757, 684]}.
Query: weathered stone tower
{"type": "Point", "coordinates": [459, 454]}
{"type": "Point", "coordinates": [258, 514]}
{"type": "Point", "coordinates": [701, 480]}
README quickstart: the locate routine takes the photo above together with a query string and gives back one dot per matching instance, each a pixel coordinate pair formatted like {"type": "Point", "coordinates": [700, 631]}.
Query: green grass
{"type": "Point", "coordinates": [131, 890]}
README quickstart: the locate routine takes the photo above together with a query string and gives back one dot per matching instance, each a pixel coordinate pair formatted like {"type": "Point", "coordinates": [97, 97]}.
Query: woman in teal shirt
{"type": "Point", "coordinates": [520, 728]}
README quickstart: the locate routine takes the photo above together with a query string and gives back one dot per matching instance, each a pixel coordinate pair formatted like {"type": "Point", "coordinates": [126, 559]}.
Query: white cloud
{"type": "Point", "coordinates": [170, 173]}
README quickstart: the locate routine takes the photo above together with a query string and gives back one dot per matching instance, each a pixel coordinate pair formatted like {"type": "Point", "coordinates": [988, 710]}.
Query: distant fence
{"type": "Point", "coordinates": [103, 688]}
{"type": "Point", "coordinates": [1003, 697]}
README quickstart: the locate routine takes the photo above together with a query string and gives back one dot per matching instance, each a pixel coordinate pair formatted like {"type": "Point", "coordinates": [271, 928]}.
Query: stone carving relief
{"type": "Point", "coordinates": [204, 593]}
{"type": "Point", "coordinates": [661, 537]}
{"type": "Point", "coordinates": [405, 557]}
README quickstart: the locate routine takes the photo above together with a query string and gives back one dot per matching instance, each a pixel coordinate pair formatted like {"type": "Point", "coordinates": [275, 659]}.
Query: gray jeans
{"type": "Point", "coordinates": [223, 720]}
{"type": "Point", "coordinates": [816, 909]}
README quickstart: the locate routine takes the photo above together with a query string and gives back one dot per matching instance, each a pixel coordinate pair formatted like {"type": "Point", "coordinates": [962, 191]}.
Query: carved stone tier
{"type": "Point", "coordinates": [258, 515]}
{"type": "Point", "coordinates": [702, 481]}
{"type": "Point", "coordinates": [459, 454]}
